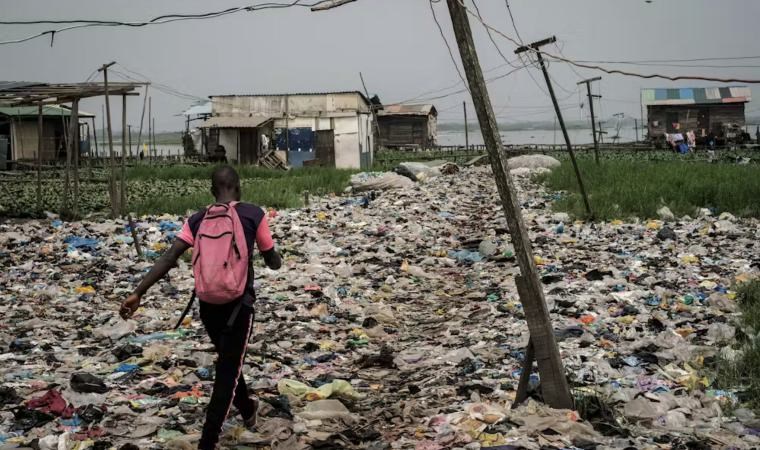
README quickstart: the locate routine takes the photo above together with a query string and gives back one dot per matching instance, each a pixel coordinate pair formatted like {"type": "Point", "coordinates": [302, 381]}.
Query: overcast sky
{"type": "Point", "coordinates": [395, 43]}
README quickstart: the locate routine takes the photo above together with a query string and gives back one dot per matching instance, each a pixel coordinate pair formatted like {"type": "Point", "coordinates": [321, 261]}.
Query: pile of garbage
{"type": "Point", "coordinates": [394, 323]}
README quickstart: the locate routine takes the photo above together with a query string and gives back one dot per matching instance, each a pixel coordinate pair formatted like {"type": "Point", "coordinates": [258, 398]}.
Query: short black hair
{"type": "Point", "coordinates": [224, 178]}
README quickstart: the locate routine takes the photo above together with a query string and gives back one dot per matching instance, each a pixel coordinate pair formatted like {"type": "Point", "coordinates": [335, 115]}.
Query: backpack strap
{"type": "Point", "coordinates": [186, 311]}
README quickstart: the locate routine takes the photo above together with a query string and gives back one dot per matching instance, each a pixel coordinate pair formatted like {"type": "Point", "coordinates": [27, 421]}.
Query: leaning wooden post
{"type": "Point", "coordinates": [39, 157]}
{"type": "Point", "coordinates": [142, 120]}
{"type": "Point", "coordinates": [115, 209]}
{"type": "Point", "coordinates": [74, 140]}
{"type": "Point", "coordinates": [554, 384]}
{"type": "Point", "coordinates": [123, 201]}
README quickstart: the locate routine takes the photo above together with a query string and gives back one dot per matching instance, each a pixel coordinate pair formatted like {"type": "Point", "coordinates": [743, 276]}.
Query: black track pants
{"type": "Point", "coordinates": [229, 386]}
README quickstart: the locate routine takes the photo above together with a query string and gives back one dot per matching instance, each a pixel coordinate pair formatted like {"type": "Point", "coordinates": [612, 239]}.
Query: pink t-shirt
{"type": "Point", "coordinates": [250, 216]}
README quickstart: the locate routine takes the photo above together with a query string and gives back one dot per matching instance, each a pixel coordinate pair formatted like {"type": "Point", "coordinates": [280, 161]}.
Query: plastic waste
{"type": "Point", "coordinates": [337, 388]}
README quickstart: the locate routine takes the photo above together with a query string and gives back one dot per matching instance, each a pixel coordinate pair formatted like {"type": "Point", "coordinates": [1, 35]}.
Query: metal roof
{"type": "Point", "coordinates": [24, 93]}
{"type": "Point", "coordinates": [199, 110]}
{"type": "Point", "coordinates": [366, 100]}
{"type": "Point", "coordinates": [407, 110]}
{"type": "Point", "coordinates": [235, 122]}
{"type": "Point", "coordinates": [696, 96]}
{"type": "Point", "coordinates": [47, 111]}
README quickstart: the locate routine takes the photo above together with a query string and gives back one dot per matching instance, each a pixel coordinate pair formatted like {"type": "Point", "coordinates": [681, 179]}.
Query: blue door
{"type": "Point", "coordinates": [300, 142]}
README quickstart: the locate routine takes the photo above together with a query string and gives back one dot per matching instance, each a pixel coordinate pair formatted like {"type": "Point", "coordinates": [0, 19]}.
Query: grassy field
{"type": "Point", "coordinates": [620, 189]}
{"type": "Point", "coordinates": [742, 373]}
{"type": "Point", "coordinates": [174, 189]}
{"type": "Point", "coordinates": [179, 189]}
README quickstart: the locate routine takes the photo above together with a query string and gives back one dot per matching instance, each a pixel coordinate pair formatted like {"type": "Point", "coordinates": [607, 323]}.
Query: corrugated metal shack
{"type": "Point", "coordinates": [408, 126]}
{"type": "Point", "coordinates": [331, 129]}
{"type": "Point", "coordinates": [702, 110]}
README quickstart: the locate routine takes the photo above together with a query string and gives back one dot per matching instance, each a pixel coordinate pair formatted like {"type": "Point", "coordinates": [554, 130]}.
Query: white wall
{"type": "Point", "coordinates": [277, 105]}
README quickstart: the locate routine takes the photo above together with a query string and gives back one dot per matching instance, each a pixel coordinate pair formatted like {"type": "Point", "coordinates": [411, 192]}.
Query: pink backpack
{"type": "Point", "coordinates": [220, 256]}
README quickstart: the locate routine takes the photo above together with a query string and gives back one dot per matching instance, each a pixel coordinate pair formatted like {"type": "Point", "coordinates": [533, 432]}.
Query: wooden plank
{"type": "Point", "coordinates": [554, 383]}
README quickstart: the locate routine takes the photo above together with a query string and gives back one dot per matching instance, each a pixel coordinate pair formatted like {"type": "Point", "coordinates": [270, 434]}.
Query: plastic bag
{"type": "Point", "coordinates": [338, 388]}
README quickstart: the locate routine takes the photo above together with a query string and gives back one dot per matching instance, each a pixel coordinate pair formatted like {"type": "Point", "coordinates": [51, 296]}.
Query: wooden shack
{"type": "Point", "coordinates": [408, 126]}
{"type": "Point", "coordinates": [19, 139]}
{"type": "Point", "coordinates": [702, 110]}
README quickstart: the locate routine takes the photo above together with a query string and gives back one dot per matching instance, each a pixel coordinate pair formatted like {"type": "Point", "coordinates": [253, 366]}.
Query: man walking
{"type": "Point", "coordinates": [222, 237]}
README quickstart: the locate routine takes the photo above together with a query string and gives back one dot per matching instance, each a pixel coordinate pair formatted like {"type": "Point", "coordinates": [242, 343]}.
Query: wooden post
{"type": "Point", "coordinates": [129, 140]}
{"type": "Point", "coordinates": [287, 128]}
{"type": "Point", "coordinates": [115, 207]}
{"type": "Point", "coordinates": [135, 238]}
{"type": "Point", "coordinates": [591, 108]}
{"type": "Point", "coordinates": [123, 190]}
{"type": "Point", "coordinates": [39, 156]}
{"type": "Point", "coordinates": [89, 156]}
{"type": "Point", "coordinates": [74, 139]}
{"type": "Point", "coordinates": [150, 127]}
{"type": "Point", "coordinates": [155, 150]}
{"type": "Point", "coordinates": [636, 127]}
{"type": "Point", "coordinates": [95, 138]}
{"type": "Point", "coordinates": [372, 110]}
{"type": "Point", "coordinates": [554, 384]}
{"type": "Point", "coordinates": [142, 120]}
{"type": "Point", "coordinates": [536, 47]}
{"type": "Point", "coordinates": [466, 128]}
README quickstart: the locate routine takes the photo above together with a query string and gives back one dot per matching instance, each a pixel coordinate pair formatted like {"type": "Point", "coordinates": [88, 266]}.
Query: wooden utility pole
{"type": "Point", "coordinates": [123, 190]}
{"type": "Point", "coordinates": [74, 139]}
{"type": "Point", "coordinates": [466, 128]}
{"type": "Point", "coordinates": [553, 382]}
{"type": "Point", "coordinates": [39, 156]}
{"type": "Point", "coordinates": [591, 108]}
{"type": "Point", "coordinates": [536, 46]}
{"type": "Point", "coordinates": [115, 207]}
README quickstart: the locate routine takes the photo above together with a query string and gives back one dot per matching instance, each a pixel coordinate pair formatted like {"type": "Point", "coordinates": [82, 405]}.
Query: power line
{"type": "Point", "coordinates": [512, 18]}
{"type": "Point", "coordinates": [606, 70]}
{"type": "Point", "coordinates": [493, 41]}
{"type": "Point", "coordinates": [169, 18]}
{"type": "Point", "coordinates": [435, 91]}
{"type": "Point", "coordinates": [724, 58]}
{"type": "Point", "coordinates": [445, 41]}
{"type": "Point", "coordinates": [498, 49]}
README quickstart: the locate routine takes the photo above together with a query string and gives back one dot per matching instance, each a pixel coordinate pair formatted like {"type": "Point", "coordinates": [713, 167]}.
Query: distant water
{"type": "Point", "coordinates": [543, 137]}
{"type": "Point", "coordinates": [161, 150]}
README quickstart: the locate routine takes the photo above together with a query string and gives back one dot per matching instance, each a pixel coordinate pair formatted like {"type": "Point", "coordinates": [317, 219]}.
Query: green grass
{"type": "Point", "coordinates": [743, 374]}
{"type": "Point", "coordinates": [620, 189]}
{"type": "Point", "coordinates": [174, 190]}
{"type": "Point", "coordinates": [203, 172]}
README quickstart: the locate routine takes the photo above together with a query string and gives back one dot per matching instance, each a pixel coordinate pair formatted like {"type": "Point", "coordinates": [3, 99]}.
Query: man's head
{"type": "Point", "coordinates": [225, 184]}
